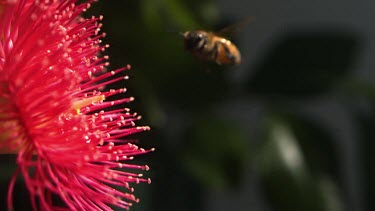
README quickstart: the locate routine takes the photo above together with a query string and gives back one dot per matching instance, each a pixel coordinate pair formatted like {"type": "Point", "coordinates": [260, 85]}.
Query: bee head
{"type": "Point", "coordinates": [193, 40]}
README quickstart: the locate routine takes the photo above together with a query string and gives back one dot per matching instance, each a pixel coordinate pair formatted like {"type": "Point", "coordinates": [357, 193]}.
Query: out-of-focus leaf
{"type": "Point", "coordinates": [331, 194]}
{"type": "Point", "coordinates": [305, 64]}
{"type": "Point", "coordinates": [316, 144]}
{"type": "Point", "coordinates": [180, 14]}
{"type": "Point", "coordinates": [366, 124]}
{"type": "Point", "coordinates": [197, 89]}
{"type": "Point", "coordinates": [168, 15]}
{"type": "Point", "coordinates": [7, 166]}
{"type": "Point", "coordinates": [288, 180]}
{"type": "Point", "coordinates": [216, 152]}
{"type": "Point", "coordinates": [151, 13]}
{"type": "Point", "coordinates": [172, 188]}
{"type": "Point", "coordinates": [20, 194]}
{"type": "Point", "coordinates": [355, 88]}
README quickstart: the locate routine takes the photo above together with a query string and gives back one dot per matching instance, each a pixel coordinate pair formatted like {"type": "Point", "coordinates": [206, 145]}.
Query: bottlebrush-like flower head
{"type": "Point", "coordinates": [69, 139]}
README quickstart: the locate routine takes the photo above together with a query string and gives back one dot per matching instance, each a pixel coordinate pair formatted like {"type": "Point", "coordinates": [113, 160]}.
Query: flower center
{"type": "Point", "coordinates": [11, 128]}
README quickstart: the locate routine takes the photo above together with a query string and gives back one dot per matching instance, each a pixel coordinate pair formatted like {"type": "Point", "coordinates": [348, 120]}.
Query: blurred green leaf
{"type": "Point", "coordinates": [168, 15]}
{"type": "Point", "coordinates": [216, 152]}
{"type": "Point", "coordinates": [288, 180]}
{"type": "Point", "coordinates": [150, 11]}
{"type": "Point", "coordinates": [366, 123]}
{"type": "Point", "coordinates": [21, 196]}
{"type": "Point", "coordinates": [355, 88]}
{"type": "Point", "coordinates": [180, 14]}
{"type": "Point", "coordinates": [316, 144]}
{"type": "Point", "coordinates": [173, 189]}
{"type": "Point", "coordinates": [305, 64]}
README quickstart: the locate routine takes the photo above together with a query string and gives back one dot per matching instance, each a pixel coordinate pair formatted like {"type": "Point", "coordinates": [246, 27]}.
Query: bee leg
{"type": "Point", "coordinates": [216, 53]}
{"type": "Point", "coordinates": [202, 44]}
{"type": "Point", "coordinates": [229, 54]}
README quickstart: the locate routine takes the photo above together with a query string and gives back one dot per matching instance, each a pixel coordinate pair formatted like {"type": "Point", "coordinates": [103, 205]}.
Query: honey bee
{"type": "Point", "coordinates": [209, 46]}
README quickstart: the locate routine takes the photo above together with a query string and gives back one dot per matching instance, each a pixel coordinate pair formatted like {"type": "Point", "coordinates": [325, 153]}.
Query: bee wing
{"type": "Point", "coordinates": [236, 27]}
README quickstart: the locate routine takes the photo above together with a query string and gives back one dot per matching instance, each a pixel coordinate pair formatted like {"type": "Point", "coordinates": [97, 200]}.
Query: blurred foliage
{"type": "Point", "coordinates": [202, 147]}
{"type": "Point", "coordinates": [305, 63]}
{"type": "Point", "coordinates": [215, 152]}
{"type": "Point", "coordinates": [291, 183]}
{"type": "Point", "coordinates": [366, 122]}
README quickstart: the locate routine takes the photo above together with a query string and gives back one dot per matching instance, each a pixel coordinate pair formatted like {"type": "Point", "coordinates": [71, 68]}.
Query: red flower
{"type": "Point", "coordinates": [53, 114]}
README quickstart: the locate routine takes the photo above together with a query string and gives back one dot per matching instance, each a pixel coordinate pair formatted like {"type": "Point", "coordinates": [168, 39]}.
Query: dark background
{"type": "Point", "coordinates": [291, 128]}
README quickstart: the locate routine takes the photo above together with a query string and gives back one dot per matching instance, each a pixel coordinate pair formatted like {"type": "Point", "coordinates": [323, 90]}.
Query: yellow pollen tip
{"type": "Point", "coordinates": [77, 105]}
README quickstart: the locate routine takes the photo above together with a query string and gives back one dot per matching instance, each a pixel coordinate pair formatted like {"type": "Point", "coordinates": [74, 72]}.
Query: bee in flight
{"type": "Point", "coordinates": [210, 46]}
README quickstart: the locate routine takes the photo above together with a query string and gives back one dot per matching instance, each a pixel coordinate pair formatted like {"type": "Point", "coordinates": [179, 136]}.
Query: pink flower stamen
{"type": "Point", "coordinates": [54, 113]}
